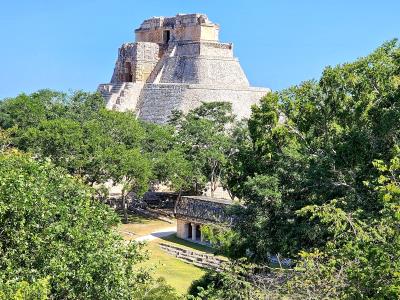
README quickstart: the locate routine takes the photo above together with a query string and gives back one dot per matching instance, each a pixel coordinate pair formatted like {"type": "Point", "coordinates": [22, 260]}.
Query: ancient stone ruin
{"type": "Point", "coordinates": [194, 211]}
{"type": "Point", "coordinates": [202, 260]}
{"type": "Point", "coordinates": [176, 64]}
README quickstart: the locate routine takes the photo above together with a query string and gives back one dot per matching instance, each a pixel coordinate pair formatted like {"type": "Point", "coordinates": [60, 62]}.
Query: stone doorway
{"type": "Point", "coordinates": [128, 72]}
{"type": "Point", "coordinates": [198, 233]}
{"type": "Point", "coordinates": [166, 36]}
{"type": "Point", "coordinates": [189, 230]}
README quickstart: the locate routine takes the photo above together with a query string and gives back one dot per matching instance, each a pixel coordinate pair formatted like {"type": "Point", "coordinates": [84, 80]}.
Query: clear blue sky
{"type": "Point", "coordinates": [69, 45]}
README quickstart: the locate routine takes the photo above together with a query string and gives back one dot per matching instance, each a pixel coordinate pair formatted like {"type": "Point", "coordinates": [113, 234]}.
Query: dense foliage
{"type": "Point", "coordinates": [52, 228]}
{"type": "Point", "coordinates": [204, 137]}
{"type": "Point", "coordinates": [57, 238]}
{"type": "Point", "coordinates": [319, 176]}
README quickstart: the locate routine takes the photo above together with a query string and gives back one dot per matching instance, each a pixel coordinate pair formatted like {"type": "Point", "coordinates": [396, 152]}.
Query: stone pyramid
{"type": "Point", "coordinates": [176, 63]}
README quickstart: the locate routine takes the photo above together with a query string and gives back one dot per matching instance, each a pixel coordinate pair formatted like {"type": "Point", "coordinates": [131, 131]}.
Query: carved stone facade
{"type": "Point", "coordinates": [176, 64]}
{"type": "Point", "coordinates": [135, 62]}
{"type": "Point", "coordinates": [194, 211]}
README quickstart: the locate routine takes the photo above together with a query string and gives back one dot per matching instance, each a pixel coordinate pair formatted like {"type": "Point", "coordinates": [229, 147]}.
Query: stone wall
{"type": "Point", "coordinates": [135, 62]}
{"type": "Point", "coordinates": [202, 209]}
{"type": "Point", "coordinates": [216, 49]}
{"type": "Point", "coordinates": [241, 98]}
{"type": "Point", "coordinates": [188, 27]}
{"type": "Point", "coordinates": [181, 228]}
{"type": "Point", "coordinates": [214, 71]}
{"type": "Point", "coordinates": [157, 101]}
{"type": "Point", "coordinates": [122, 96]}
{"type": "Point", "coordinates": [202, 260]}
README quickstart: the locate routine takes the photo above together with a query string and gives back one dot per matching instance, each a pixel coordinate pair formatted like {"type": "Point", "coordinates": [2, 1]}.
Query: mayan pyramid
{"type": "Point", "coordinates": [176, 63]}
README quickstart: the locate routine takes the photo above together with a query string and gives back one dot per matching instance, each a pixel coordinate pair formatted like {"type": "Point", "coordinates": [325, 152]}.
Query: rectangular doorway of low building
{"type": "Point", "coordinates": [189, 230]}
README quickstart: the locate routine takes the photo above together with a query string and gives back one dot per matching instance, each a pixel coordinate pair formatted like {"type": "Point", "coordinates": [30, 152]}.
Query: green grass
{"type": "Point", "coordinates": [173, 239]}
{"type": "Point", "coordinates": [177, 273]}
{"type": "Point", "coordinates": [139, 226]}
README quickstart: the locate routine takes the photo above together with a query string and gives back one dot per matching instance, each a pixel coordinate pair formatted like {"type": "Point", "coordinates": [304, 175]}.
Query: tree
{"type": "Point", "coordinates": [131, 169]}
{"type": "Point", "coordinates": [315, 143]}
{"type": "Point", "coordinates": [361, 261]}
{"type": "Point", "coordinates": [52, 228]}
{"type": "Point", "coordinates": [235, 281]}
{"type": "Point", "coordinates": [26, 111]}
{"type": "Point", "coordinates": [38, 290]}
{"type": "Point", "coordinates": [61, 140]}
{"type": "Point", "coordinates": [203, 136]}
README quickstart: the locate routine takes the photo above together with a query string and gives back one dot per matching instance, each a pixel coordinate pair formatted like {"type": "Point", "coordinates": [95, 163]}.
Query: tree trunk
{"type": "Point", "coordinates": [124, 208]}
{"type": "Point", "coordinates": [231, 195]}
{"type": "Point", "coordinates": [212, 184]}
{"type": "Point", "coordinates": [177, 200]}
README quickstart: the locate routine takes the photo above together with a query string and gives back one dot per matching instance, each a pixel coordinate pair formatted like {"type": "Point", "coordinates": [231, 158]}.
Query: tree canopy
{"type": "Point", "coordinates": [51, 228]}
{"type": "Point", "coordinates": [318, 175]}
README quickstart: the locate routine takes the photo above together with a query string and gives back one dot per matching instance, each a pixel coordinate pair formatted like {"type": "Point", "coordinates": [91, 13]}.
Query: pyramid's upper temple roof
{"type": "Point", "coordinates": [182, 27]}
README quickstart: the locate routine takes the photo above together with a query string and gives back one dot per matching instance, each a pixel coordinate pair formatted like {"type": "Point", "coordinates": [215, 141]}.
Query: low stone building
{"type": "Point", "coordinates": [176, 63]}
{"type": "Point", "coordinates": [194, 211]}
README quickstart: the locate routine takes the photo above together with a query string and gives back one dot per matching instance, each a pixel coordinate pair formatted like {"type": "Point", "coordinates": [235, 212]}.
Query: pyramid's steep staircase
{"type": "Point", "coordinates": [121, 96]}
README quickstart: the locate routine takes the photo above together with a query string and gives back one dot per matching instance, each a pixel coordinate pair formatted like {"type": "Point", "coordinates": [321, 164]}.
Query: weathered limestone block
{"type": "Point", "coordinates": [200, 209]}
{"type": "Point", "coordinates": [135, 62]}
{"type": "Point", "coordinates": [202, 260]}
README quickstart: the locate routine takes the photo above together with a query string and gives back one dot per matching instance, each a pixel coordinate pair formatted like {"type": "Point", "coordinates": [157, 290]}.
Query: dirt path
{"type": "Point", "coordinates": [157, 234]}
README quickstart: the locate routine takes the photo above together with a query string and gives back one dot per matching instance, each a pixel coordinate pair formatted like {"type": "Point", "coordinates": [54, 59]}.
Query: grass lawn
{"type": "Point", "coordinates": [140, 226]}
{"type": "Point", "coordinates": [173, 239]}
{"type": "Point", "coordinates": [177, 273]}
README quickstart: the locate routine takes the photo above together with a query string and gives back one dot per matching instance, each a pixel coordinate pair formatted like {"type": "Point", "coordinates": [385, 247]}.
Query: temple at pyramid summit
{"type": "Point", "coordinates": [176, 63]}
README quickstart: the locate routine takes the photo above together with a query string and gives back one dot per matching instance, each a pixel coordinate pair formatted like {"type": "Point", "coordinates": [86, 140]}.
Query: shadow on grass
{"type": "Point", "coordinates": [134, 218]}
{"type": "Point", "coordinates": [175, 240]}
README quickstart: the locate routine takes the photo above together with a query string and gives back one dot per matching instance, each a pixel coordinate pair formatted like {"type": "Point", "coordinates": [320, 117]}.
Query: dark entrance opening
{"type": "Point", "coordinates": [189, 230]}
{"type": "Point", "coordinates": [166, 36]}
{"type": "Point", "coordinates": [198, 233]}
{"type": "Point", "coordinates": [128, 72]}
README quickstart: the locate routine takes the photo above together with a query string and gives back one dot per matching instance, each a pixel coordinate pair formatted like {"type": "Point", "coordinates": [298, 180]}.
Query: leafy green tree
{"type": "Point", "coordinates": [26, 111]}
{"type": "Point", "coordinates": [360, 262]}
{"type": "Point", "coordinates": [38, 290]}
{"type": "Point", "coordinates": [315, 143]}
{"type": "Point", "coordinates": [231, 283]}
{"type": "Point", "coordinates": [174, 170]}
{"type": "Point", "coordinates": [241, 162]}
{"type": "Point", "coordinates": [203, 136]}
{"type": "Point", "coordinates": [75, 131]}
{"type": "Point", "coordinates": [83, 106]}
{"type": "Point", "coordinates": [52, 228]}
{"type": "Point", "coordinates": [61, 140]}
{"type": "Point", "coordinates": [5, 138]}
{"type": "Point", "coordinates": [132, 170]}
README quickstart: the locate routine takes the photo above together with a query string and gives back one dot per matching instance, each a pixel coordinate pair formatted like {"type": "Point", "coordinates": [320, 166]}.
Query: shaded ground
{"type": "Point", "coordinates": [173, 239]}
{"type": "Point", "coordinates": [140, 226]}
